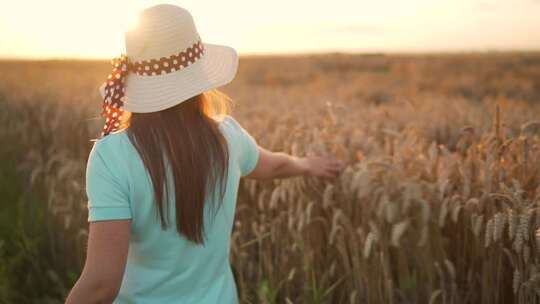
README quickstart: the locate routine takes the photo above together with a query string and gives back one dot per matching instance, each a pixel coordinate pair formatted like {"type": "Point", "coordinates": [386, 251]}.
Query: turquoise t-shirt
{"type": "Point", "coordinates": [163, 266]}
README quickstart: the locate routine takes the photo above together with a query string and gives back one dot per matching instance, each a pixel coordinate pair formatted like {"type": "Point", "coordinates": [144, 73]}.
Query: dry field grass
{"type": "Point", "coordinates": [439, 203]}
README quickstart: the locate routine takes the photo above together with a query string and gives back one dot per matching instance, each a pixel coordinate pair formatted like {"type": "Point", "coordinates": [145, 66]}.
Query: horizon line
{"type": "Point", "coordinates": [307, 53]}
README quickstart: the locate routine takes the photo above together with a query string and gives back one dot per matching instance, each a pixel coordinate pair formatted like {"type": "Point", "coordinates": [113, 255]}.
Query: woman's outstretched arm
{"type": "Point", "coordinates": [281, 165]}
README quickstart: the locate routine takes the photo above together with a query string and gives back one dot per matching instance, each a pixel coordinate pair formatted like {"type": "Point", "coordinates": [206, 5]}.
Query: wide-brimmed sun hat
{"type": "Point", "coordinates": [166, 63]}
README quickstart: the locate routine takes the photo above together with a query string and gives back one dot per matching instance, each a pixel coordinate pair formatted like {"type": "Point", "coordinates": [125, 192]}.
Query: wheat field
{"type": "Point", "coordinates": [439, 201]}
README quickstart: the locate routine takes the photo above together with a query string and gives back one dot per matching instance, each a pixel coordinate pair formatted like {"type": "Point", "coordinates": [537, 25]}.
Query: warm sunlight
{"type": "Point", "coordinates": [283, 151]}
{"type": "Point", "coordinates": [131, 22]}
{"type": "Point", "coordinates": [94, 29]}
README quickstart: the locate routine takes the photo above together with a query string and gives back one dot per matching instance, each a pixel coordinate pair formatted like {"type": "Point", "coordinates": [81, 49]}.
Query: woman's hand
{"type": "Point", "coordinates": [319, 166]}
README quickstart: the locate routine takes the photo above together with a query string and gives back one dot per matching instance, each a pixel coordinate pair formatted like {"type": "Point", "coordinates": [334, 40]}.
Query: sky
{"type": "Point", "coordinates": [95, 29]}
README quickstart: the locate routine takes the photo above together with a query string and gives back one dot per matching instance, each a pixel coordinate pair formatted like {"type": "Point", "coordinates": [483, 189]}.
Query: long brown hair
{"type": "Point", "coordinates": [187, 138]}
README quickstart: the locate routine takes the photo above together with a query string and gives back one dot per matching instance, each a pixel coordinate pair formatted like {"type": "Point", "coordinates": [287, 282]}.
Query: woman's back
{"type": "Point", "coordinates": [162, 265]}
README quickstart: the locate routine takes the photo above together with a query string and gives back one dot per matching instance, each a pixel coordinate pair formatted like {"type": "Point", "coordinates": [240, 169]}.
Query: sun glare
{"type": "Point", "coordinates": [352, 26]}
{"type": "Point", "coordinates": [132, 20]}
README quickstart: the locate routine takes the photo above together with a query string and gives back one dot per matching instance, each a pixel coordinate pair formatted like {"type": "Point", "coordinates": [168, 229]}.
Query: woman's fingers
{"type": "Point", "coordinates": [333, 167]}
{"type": "Point", "coordinates": [327, 167]}
{"type": "Point", "coordinates": [336, 165]}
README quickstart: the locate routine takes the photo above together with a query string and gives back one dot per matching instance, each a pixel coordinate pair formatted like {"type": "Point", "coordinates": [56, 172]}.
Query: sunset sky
{"type": "Point", "coordinates": [94, 29]}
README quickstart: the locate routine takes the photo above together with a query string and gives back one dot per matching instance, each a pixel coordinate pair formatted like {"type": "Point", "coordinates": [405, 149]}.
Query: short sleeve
{"type": "Point", "coordinates": [107, 195]}
{"type": "Point", "coordinates": [248, 149]}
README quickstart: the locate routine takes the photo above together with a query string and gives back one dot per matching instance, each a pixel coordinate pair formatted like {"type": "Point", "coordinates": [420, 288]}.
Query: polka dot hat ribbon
{"type": "Point", "coordinates": [114, 88]}
{"type": "Point", "coordinates": [114, 95]}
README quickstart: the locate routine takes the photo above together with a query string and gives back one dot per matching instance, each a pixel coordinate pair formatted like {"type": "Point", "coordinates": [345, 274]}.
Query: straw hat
{"type": "Point", "coordinates": [168, 62]}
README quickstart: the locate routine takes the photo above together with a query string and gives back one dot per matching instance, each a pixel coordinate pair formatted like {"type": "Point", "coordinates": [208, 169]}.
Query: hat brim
{"type": "Point", "coordinates": [216, 68]}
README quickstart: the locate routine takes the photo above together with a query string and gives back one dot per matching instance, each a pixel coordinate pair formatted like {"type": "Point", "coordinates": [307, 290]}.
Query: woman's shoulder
{"type": "Point", "coordinates": [235, 131]}
{"type": "Point", "coordinates": [111, 144]}
{"type": "Point", "coordinates": [231, 129]}
{"type": "Point", "coordinates": [224, 119]}
{"type": "Point", "coordinates": [228, 123]}
{"type": "Point", "coordinates": [112, 138]}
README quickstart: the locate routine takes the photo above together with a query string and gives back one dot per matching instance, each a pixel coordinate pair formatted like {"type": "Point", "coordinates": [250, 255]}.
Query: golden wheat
{"type": "Point", "coordinates": [435, 172]}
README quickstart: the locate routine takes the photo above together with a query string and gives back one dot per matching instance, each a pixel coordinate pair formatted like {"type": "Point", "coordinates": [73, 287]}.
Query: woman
{"type": "Point", "coordinates": [162, 180]}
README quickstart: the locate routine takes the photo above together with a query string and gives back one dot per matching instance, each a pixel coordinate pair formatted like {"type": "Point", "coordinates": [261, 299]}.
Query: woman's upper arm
{"type": "Point", "coordinates": [245, 144]}
{"type": "Point", "coordinates": [265, 165]}
{"type": "Point", "coordinates": [108, 243]}
{"type": "Point", "coordinates": [107, 186]}
{"type": "Point", "coordinates": [109, 214]}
